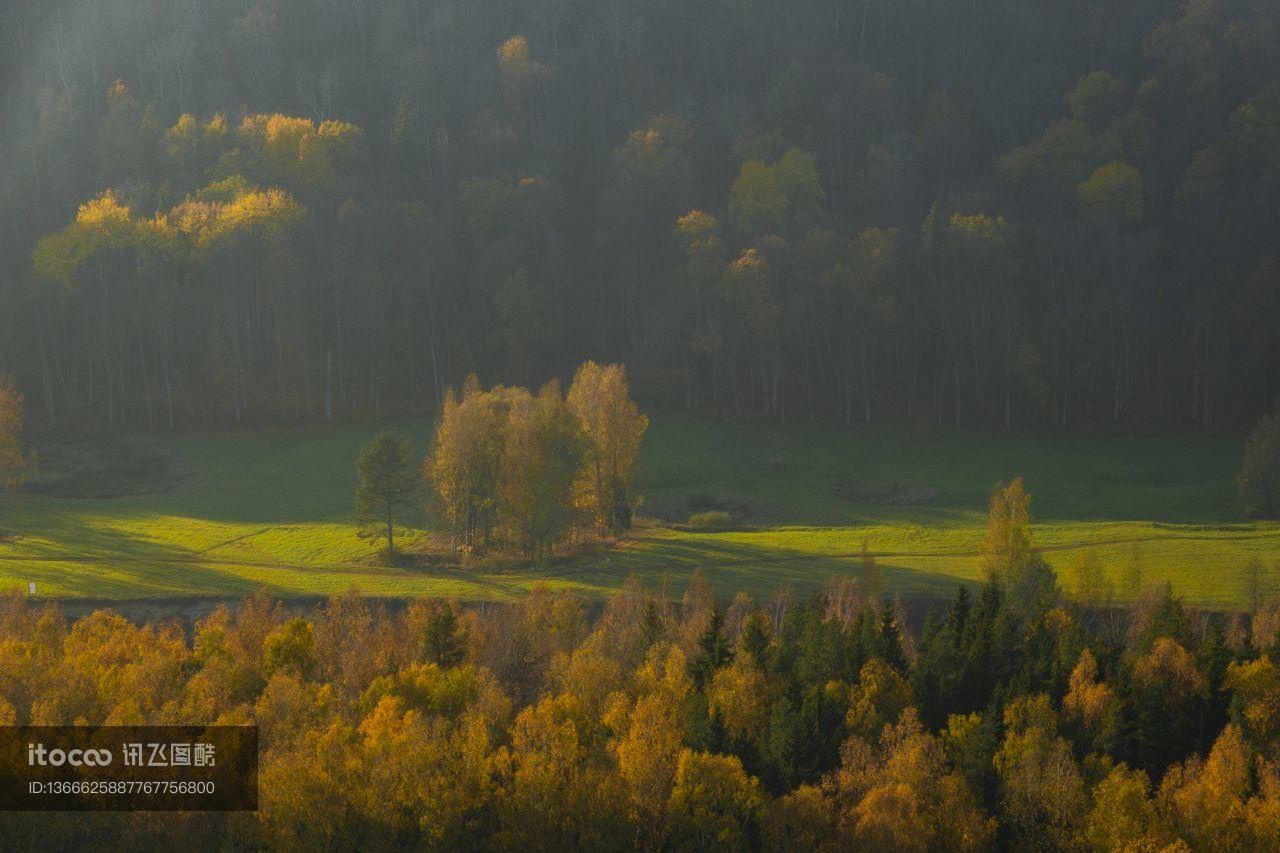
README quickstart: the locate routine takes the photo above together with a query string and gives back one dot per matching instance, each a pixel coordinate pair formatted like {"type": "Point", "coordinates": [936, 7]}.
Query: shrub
{"type": "Point", "coordinates": [711, 520]}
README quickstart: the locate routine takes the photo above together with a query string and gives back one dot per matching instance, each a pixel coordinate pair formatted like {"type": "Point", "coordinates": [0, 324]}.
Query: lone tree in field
{"type": "Point", "coordinates": [1006, 549]}
{"type": "Point", "coordinates": [613, 427]}
{"type": "Point", "coordinates": [14, 464]}
{"type": "Point", "coordinates": [1260, 473]}
{"type": "Point", "coordinates": [386, 482]}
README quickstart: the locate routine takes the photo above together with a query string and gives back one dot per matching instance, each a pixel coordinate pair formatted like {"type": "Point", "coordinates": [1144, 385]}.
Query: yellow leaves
{"type": "Point", "coordinates": [193, 217]}
{"type": "Point", "coordinates": [902, 797]}
{"type": "Point", "coordinates": [59, 256]}
{"type": "Point", "coordinates": [1006, 547]}
{"type": "Point", "coordinates": [301, 151]}
{"type": "Point", "coordinates": [768, 198]}
{"type": "Point", "coordinates": [263, 212]}
{"type": "Point", "coordinates": [1256, 686]}
{"type": "Point", "coordinates": [697, 227]}
{"type": "Point", "coordinates": [1123, 816]}
{"type": "Point", "coordinates": [646, 747]}
{"type": "Point", "coordinates": [588, 673]}
{"type": "Point", "coordinates": [1204, 800]}
{"type": "Point", "coordinates": [1113, 193]}
{"type": "Point", "coordinates": [103, 223]}
{"type": "Point", "coordinates": [217, 127]}
{"type": "Point", "coordinates": [613, 427]}
{"type": "Point", "coordinates": [230, 208]}
{"type": "Point", "coordinates": [106, 225]}
{"type": "Point", "coordinates": [105, 215]}
{"type": "Point", "coordinates": [182, 133]}
{"type": "Point", "coordinates": [1170, 668]}
{"type": "Point", "coordinates": [513, 54]}
{"type": "Point", "coordinates": [1087, 698]}
{"type": "Point", "coordinates": [283, 135]}
{"type": "Point", "coordinates": [738, 695]}
{"type": "Point", "coordinates": [714, 804]}
{"type": "Point", "coordinates": [879, 698]}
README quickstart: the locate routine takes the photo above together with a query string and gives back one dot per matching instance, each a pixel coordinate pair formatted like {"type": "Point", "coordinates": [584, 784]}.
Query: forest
{"type": "Point", "coordinates": [1011, 718]}
{"type": "Point", "coordinates": [995, 214]}
{"type": "Point", "coordinates": [564, 425]}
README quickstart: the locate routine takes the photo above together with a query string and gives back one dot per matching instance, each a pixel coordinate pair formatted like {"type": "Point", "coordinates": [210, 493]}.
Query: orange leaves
{"type": "Point", "coordinates": [1170, 668]}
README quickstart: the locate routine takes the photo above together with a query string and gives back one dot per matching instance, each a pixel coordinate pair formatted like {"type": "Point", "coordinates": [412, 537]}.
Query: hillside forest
{"type": "Point", "coordinates": [990, 214]}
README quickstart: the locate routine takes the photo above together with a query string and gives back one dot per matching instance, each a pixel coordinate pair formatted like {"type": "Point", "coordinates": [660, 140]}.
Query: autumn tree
{"type": "Point", "coordinates": [714, 803]}
{"type": "Point", "coordinates": [613, 427]}
{"type": "Point", "coordinates": [1042, 794]}
{"type": "Point", "coordinates": [1006, 548]}
{"type": "Point", "coordinates": [465, 462]}
{"type": "Point", "coordinates": [540, 461]}
{"type": "Point", "coordinates": [14, 462]}
{"type": "Point", "coordinates": [903, 796]}
{"type": "Point", "coordinates": [1260, 473]}
{"type": "Point", "coordinates": [385, 486]}
{"type": "Point", "coordinates": [1089, 579]}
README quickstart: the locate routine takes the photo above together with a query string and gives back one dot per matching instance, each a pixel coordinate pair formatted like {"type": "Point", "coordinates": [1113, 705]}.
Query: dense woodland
{"type": "Point", "coordinates": [996, 213]}
{"type": "Point", "coordinates": [1011, 719]}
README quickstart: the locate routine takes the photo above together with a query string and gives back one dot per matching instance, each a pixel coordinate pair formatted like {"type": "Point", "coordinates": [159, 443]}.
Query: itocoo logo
{"type": "Point", "coordinates": [38, 754]}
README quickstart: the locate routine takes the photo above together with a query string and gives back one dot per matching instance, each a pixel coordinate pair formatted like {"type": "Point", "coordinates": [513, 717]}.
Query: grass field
{"type": "Point", "coordinates": [274, 509]}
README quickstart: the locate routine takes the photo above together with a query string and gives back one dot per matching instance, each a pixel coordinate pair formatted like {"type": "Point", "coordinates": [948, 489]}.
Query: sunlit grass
{"type": "Point", "coordinates": [273, 509]}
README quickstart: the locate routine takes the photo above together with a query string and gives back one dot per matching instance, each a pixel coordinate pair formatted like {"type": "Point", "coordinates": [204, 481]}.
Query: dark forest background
{"type": "Point", "coordinates": [998, 213]}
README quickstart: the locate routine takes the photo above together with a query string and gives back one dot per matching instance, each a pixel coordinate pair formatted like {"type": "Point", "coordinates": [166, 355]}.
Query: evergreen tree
{"type": "Point", "coordinates": [386, 483]}
{"type": "Point", "coordinates": [713, 650]}
{"type": "Point", "coordinates": [889, 641]}
{"type": "Point", "coordinates": [755, 635]}
{"type": "Point", "coordinates": [444, 641]}
{"type": "Point", "coordinates": [651, 627]}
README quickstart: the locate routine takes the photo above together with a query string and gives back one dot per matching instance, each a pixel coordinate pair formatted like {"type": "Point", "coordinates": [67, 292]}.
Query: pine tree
{"type": "Point", "coordinates": [755, 635]}
{"type": "Point", "coordinates": [651, 627]}
{"type": "Point", "coordinates": [444, 642]}
{"type": "Point", "coordinates": [889, 645]}
{"type": "Point", "coordinates": [386, 483]}
{"type": "Point", "coordinates": [713, 650]}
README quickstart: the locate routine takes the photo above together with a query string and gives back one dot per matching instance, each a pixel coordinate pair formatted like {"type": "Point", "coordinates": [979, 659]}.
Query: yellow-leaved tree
{"type": "Point", "coordinates": [613, 427]}
{"type": "Point", "coordinates": [14, 463]}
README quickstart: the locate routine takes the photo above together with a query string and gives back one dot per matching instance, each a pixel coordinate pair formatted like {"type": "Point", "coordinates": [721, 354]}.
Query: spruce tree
{"type": "Point", "coordinates": [889, 646]}
{"type": "Point", "coordinates": [755, 635]}
{"type": "Point", "coordinates": [386, 483]}
{"type": "Point", "coordinates": [713, 650]}
{"type": "Point", "coordinates": [444, 642]}
{"type": "Point", "coordinates": [651, 627]}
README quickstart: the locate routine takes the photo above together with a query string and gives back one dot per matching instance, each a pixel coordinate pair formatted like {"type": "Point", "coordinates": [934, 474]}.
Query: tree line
{"type": "Point", "coordinates": [508, 467]}
{"type": "Point", "coordinates": [1003, 214]}
{"type": "Point", "coordinates": [1012, 718]}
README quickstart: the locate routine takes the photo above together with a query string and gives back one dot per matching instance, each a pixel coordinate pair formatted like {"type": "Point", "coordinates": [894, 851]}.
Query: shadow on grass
{"type": "Point", "coordinates": [734, 566]}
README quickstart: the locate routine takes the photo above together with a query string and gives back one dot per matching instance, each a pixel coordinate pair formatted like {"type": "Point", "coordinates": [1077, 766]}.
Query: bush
{"type": "Point", "coordinates": [711, 520]}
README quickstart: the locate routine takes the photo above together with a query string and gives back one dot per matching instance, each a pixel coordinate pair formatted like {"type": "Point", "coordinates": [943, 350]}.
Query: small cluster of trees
{"type": "Point", "coordinates": [515, 468]}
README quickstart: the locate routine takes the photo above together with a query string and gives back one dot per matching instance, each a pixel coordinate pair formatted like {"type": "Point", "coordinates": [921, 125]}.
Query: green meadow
{"type": "Point", "coordinates": [227, 514]}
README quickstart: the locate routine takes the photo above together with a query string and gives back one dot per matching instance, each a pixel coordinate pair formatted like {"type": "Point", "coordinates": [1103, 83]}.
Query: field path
{"type": "Point", "coordinates": [203, 556]}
